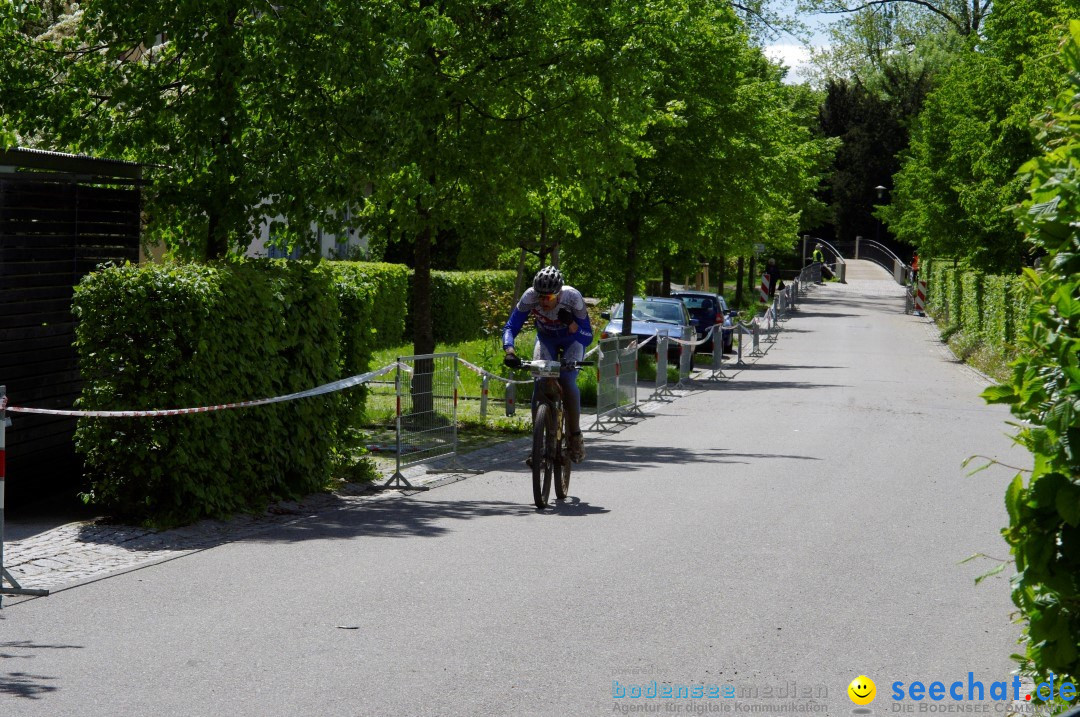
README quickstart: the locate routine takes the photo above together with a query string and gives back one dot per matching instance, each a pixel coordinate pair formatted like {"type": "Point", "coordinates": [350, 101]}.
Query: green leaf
{"type": "Point", "coordinates": [1002, 393]}
{"type": "Point", "coordinates": [1067, 503]}
{"type": "Point", "coordinates": [993, 571]}
{"type": "Point", "coordinates": [1012, 498]}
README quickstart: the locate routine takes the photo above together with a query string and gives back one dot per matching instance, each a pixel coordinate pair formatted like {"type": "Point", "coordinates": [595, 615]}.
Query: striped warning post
{"type": "Point", "coordinates": [763, 291]}
{"type": "Point", "coordinates": [920, 299]}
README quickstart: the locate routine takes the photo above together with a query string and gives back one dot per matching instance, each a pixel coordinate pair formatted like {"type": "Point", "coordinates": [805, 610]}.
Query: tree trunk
{"type": "Point", "coordinates": [665, 282]}
{"type": "Point", "coordinates": [721, 275]}
{"type": "Point", "coordinates": [519, 282]}
{"type": "Point", "coordinates": [634, 228]}
{"type": "Point", "coordinates": [421, 382]}
{"type": "Point", "coordinates": [751, 279]}
{"type": "Point", "coordinates": [739, 281]}
{"type": "Point", "coordinates": [423, 327]}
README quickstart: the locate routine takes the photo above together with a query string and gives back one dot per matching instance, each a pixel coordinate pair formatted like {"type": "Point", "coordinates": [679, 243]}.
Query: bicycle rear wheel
{"type": "Point", "coordinates": [541, 455]}
{"type": "Point", "coordinates": [562, 465]}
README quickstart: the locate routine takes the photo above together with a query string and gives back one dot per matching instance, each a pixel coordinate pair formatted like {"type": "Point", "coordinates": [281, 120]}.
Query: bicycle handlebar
{"type": "Point", "coordinates": [565, 364]}
{"type": "Point", "coordinates": [552, 368]}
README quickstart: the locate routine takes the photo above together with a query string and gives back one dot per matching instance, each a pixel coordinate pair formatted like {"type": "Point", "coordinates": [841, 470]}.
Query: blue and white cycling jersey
{"type": "Point", "coordinates": [549, 329]}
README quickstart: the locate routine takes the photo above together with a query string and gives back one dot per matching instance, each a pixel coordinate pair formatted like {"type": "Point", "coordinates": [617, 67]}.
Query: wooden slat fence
{"type": "Point", "coordinates": [54, 229]}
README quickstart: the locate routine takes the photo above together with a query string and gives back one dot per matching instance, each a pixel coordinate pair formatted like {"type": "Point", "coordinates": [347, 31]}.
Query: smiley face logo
{"type": "Point", "coordinates": [862, 690]}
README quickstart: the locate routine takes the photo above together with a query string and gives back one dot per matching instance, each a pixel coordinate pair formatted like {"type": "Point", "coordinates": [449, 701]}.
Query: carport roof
{"type": "Point", "coordinates": [77, 164]}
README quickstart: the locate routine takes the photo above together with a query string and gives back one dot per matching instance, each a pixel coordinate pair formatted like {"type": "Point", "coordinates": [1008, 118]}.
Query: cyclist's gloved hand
{"type": "Point", "coordinates": [511, 359]}
{"type": "Point", "coordinates": [566, 316]}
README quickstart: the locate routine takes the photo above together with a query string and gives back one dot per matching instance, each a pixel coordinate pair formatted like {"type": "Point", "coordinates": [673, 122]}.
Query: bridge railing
{"type": "Point", "coordinates": [883, 256]}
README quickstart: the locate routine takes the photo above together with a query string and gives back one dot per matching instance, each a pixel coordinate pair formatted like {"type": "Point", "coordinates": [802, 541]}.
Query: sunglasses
{"type": "Point", "coordinates": [549, 297]}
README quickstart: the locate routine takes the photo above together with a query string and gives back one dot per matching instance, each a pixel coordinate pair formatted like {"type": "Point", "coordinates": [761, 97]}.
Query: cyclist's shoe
{"type": "Point", "coordinates": [577, 448]}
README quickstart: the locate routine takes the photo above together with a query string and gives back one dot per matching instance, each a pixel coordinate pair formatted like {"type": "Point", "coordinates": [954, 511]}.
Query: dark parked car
{"type": "Point", "coordinates": [652, 314]}
{"type": "Point", "coordinates": [709, 309]}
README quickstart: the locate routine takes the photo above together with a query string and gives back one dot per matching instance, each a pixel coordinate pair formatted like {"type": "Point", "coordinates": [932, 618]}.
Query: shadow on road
{"type": "Point", "coordinates": [762, 385]}
{"type": "Point", "coordinates": [785, 367]}
{"type": "Point", "coordinates": [413, 517]}
{"type": "Point", "coordinates": [625, 457]}
{"type": "Point", "coordinates": [26, 684]}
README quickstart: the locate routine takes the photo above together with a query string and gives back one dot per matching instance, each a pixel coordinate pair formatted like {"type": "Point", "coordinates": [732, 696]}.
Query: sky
{"type": "Point", "coordinates": [792, 51]}
{"type": "Point", "coordinates": [792, 54]}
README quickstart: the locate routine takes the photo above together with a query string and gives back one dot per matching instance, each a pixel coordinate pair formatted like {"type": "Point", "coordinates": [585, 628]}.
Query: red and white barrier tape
{"type": "Point", "coordinates": [317, 391]}
{"type": "Point", "coordinates": [698, 342]}
{"type": "Point", "coordinates": [489, 374]}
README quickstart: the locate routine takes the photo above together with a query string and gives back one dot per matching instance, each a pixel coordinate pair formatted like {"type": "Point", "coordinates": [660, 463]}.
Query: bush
{"type": "Point", "coordinates": [996, 308]}
{"type": "Point", "coordinates": [196, 335]}
{"type": "Point", "coordinates": [374, 299]}
{"type": "Point", "coordinates": [971, 302]}
{"type": "Point", "coordinates": [455, 296]}
{"type": "Point", "coordinates": [1044, 393]}
{"type": "Point", "coordinates": [954, 293]}
{"type": "Point", "coordinates": [371, 301]}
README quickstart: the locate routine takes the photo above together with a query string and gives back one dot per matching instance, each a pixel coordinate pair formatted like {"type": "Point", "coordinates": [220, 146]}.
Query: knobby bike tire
{"type": "Point", "coordinates": [541, 461]}
{"type": "Point", "coordinates": [562, 465]}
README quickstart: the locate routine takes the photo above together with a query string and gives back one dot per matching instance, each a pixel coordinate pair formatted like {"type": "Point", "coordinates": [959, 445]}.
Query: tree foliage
{"type": "Point", "coordinates": [446, 128]}
{"type": "Point", "coordinates": [1044, 393]}
{"type": "Point", "coordinates": [238, 109]}
{"type": "Point", "coordinates": [959, 173]}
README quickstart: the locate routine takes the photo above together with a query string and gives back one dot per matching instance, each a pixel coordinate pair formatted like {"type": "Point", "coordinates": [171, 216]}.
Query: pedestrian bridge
{"type": "Point", "coordinates": [862, 269]}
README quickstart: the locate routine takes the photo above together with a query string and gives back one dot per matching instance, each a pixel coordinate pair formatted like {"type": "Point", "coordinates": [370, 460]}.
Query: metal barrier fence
{"type": "Point", "coordinates": [616, 381]}
{"type": "Point", "coordinates": [716, 366]}
{"type": "Point", "coordinates": [686, 356]}
{"type": "Point", "coordinates": [753, 330]}
{"type": "Point", "coordinates": [607, 390]}
{"type": "Point", "coordinates": [626, 376]}
{"type": "Point", "coordinates": [661, 389]}
{"type": "Point", "coordinates": [426, 421]}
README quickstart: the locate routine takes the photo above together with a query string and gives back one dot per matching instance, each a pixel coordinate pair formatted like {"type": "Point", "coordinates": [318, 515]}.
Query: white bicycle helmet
{"type": "Point", "coordinates": [548, 281]}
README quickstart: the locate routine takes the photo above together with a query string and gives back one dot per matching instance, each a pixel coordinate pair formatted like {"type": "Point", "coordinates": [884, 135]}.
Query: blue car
{"type": "Point", "coordinates": [709, 309]}
{"type": "Point", "coordinates": [652, 314]}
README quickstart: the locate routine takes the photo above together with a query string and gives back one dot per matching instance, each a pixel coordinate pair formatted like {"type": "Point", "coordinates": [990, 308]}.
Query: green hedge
{"type": "Point", "coordinates": [181, 336]}
{"type": "Point", "coordinates": [996, 310]}
{"type": "Point", "coordinates": [971, 297]}
{"type": "Point", "coordinates": [373, 298]}
{"type": "Point", "coordinates": [1044, 395]}
{"type": "Point", "coordinates": [465, 303]}
{"type": "Point", "coordinates": [988, 308]}
{"type": "Point", "coordinates": [195, 335]}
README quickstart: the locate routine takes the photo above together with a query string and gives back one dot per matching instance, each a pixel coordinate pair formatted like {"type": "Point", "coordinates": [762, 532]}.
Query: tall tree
{"type": "Point", "coordinates": [498, 116]}
{"type": "Point", "coordinates": [238, 108]}
{"type": "Point", "coordinates": [974, 133]}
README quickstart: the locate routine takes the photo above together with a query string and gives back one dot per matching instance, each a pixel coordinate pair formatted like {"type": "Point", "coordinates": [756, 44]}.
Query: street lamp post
{"type": "Point", "coordinates": [880, 195]}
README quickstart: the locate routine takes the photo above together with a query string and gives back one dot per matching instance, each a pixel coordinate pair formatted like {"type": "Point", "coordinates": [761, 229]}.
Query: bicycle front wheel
{"type": "Point", "coordinates": [562, 466]}
{"type": "Point", "coordinates": [542, 455]}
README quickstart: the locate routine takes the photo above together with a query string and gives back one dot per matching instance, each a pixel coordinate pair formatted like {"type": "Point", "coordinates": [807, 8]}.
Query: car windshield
{"type": "Point", "coordinates": [647, 310]}
{"type": "Point", "coordinates": [698, 302]}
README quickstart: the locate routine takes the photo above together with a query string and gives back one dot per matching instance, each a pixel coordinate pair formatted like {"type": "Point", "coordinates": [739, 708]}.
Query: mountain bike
{"type": "Point", "coordinates": [551, 439]}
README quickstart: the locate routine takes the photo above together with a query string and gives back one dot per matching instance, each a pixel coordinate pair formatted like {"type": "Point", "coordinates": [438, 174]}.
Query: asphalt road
{"type": "Point", "coordinates": [782, 532]}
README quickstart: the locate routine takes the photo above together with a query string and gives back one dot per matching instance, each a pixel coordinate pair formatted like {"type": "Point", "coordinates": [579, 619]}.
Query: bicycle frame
{"type": "Point", "coordinates": [550, 453]}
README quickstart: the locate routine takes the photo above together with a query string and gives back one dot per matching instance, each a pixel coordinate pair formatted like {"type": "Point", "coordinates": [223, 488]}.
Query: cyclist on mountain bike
{"type": "Point", "coordinates": [562, 333]}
